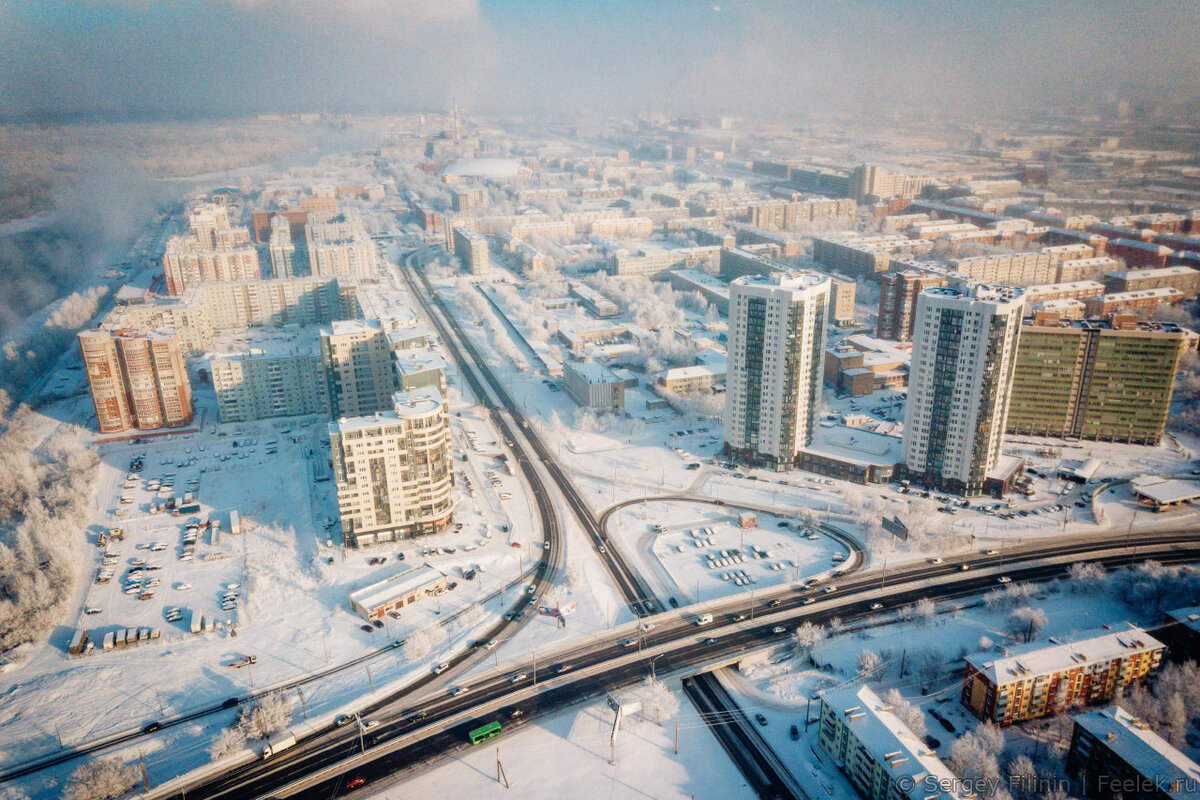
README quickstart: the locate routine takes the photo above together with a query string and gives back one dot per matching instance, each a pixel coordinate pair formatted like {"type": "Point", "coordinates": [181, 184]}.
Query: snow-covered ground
{"type": "Point", "coordinates": [292, 576]}
{"type": "Point", "coordinates": [931, 652]}
{"type": "Point", "coordinates": [567, 754]}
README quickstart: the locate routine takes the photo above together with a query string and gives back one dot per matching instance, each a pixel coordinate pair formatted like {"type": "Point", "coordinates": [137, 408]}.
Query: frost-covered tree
{"type": "Point", "coordinates": [658, 701]}
{"type": "Point", "coordinates": [228, 742]}
{"type": "Point", "coordinates": [1085, 576]}
{"type": "Point", "coordinates": [420, 643]}
{"type": "Point", "coordinates": [868, 664]}
{"type": "Point", "coordinates": [270, 714]}
{"type": "Point", "coordinates": [973, 756]}
{"type": "Point", "coordinates": [101, 779]}
{"type": "Point", "coordinates": [808, 636]}
{"type": "Point", "coordinates": [925, 610]}
{"type": "Point", "coordinates": [1022, 777]}
{"type": "Point", "coordinates": [1026, 623]}
{"type": "Point", "coordinates": [906, 712]}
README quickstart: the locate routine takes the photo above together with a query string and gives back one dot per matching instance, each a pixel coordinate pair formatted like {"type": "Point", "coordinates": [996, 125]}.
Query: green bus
{"type": "Point", "coordinates": [485, 732]}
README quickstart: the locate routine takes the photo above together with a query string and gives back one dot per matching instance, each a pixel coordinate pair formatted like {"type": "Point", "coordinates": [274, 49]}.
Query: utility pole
{"type": "Point", "coordinates": [500, 776]}
{"type": "Point", "coordinates": [677, 736]}
{"type": "Point", "coordinates": [903, 654]}
{"type": "Point", "coordinates": [59, 735]}
{"type": "Point", "coordinates": [371, 680]}
{"type": "Point", "coordinates": [303, 704]}
{"type": "Point", "coordinates": [145, 777]}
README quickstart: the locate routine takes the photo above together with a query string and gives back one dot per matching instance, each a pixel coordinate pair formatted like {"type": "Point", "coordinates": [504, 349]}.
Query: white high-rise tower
{"type": "Point", "coordinates": [963, 356]}
{"type": "Point", "coordinates": [776, 352]}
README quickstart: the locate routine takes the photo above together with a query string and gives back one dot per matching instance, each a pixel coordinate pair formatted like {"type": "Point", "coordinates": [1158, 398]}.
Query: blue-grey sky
{"type": "Point", "coordinates": [233, 56]}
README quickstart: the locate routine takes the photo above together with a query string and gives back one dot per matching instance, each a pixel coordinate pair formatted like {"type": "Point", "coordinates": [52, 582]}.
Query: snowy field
{"type": "Point", "coordinates": [703, 553]}
{"type": "Point", "coordinates": [567, 754]}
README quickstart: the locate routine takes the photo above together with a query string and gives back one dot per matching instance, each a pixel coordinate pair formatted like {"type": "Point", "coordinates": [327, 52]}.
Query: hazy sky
{"type": "Point", "coordinates": [231, 56]}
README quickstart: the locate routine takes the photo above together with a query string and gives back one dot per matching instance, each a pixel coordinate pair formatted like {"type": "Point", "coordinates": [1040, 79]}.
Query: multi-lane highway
{"type": "Point", "coordinates": [436, 724]}
{"type": "Point", "coordinates": [501, 405]}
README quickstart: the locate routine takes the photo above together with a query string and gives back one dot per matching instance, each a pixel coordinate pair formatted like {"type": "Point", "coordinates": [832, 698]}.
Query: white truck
{"type": "Point", "coordinates": [278, 742]}
{"type": "Point", "coordinates": [704, 619]}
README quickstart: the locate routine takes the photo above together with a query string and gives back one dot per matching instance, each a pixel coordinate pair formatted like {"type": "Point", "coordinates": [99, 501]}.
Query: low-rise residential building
{"type": "Point", "coordinates": [410, 585]}
{"type": "Point", "coordinates": [393, 470]}
{"type": "Point", "coordinates": [859, 365]}
{"type": "Point", "coordinates": [1041, 680]}
{"type": "Point", "coordinates": [1185, 279]}
{"type": "Point", "coordinates": [866, 256]}
{"type": "Point", "coordinates": [593, 385]}
{"type": "Point", "coordinates": [878, 752]}
{"type": "Point", "coordinates": [713, 289]}
{"type": "Point", "coordinates": [1114, 754]}
{"type": "Point", "coordinates": [1144, 300]}
{"type": "Point", "coordinates": [696, 378]}
{"type": "Point", "coordinates": [1075, 290]}
{"type": "Point", "coordinates": [1101, 379]}
{"type": "Point", "coordinates": [1084, 269]}
{"type": "Point", "coordinates": [1138, 254]}
{"type": "Point", "coordinates": [593, 301]}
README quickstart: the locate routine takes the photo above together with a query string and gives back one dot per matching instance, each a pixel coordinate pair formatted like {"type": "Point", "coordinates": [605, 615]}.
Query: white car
{"type": "Point", "coordinates": [92, 610]}
{"type": "Point", "coordinates": [520, 676]}
{"type": "Point", "coordinates": [182, 587]}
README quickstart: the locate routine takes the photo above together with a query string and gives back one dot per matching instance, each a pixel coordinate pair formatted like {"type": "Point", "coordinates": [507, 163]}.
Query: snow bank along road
{"type": "Point", "coordinates": [436, 725]}
{"type": "Point", "coordinates": [639, 597]}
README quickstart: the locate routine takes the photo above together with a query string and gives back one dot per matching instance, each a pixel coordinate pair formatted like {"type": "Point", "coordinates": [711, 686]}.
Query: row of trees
{"type": "Point", "coordinates": [43, 511]}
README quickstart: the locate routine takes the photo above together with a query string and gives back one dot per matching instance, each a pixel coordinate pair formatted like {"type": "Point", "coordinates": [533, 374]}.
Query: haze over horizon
{"type": "Point", "coordinates": [122, 58]}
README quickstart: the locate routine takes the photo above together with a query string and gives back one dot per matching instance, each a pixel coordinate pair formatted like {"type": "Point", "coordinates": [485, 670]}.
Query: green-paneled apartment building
{"type": "Point", "coordinates": [1107, 380]}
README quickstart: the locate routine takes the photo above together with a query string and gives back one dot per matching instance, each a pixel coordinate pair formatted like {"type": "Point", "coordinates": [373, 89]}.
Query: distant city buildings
{"type": "Point", "coordinates": [473, 250]}
{"type": "Point", "coordinates": [773, 384]}
{"type": "Point", "coordinates": [963, 357]}
{"type": "Point", "coordinates": [215, 251]}
{"type": "Point", "coordinates": [138, 379]}
{"type": "Point", "coordinates": [898, 302]}
{"type": "Point", "coordinates": [394, 470]}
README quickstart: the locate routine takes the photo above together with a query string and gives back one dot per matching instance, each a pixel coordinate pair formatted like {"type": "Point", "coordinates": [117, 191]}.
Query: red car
{"type": "Point", "coordinates": [354, 783]}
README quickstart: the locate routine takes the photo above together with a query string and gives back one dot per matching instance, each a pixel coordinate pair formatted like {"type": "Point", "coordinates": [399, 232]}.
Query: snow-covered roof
{"type": "Point", "coordinates": [1035, 661]}
{"type": "Point", "coordinates": [1151, 756]}
{"type": "Point", "coordinates": [484, 168]}
{"type": "Point", "coordinates": [855, 445]}
{"type": "Point", "coordinates": [399, 585]}
{"type": "Point", "coordinates": [891, 742]}
{"type": "Point", "coordinates": [416, 360]}
{"type": "Point", "coordinates": [1165, 490]}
